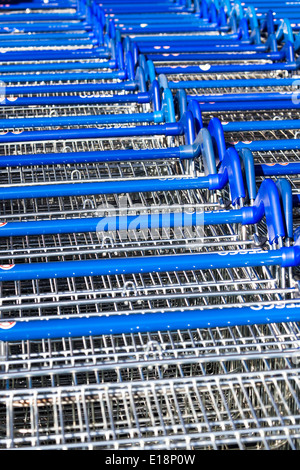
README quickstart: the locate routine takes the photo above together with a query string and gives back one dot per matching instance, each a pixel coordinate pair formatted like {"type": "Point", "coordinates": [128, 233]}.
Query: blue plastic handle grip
{"type": "Point", "coordinates": [150, 322]}
{"type": "Point", "coordinates": [207, 84]}
{"type": "Point", "coordinates": [24, 123]}
{"type": "Point", "coordinates": [49, 42]}
{"type": "Point", "coordinates": [260, 125]}
{"type": "Point", "coordinates": [171, 128]}
{"type": "Point", "coordinates": [266, 145]}
{"type": "Point", "coordinates": [239, 56]}
{"type": "Point", "coordinates": [203, 146]}
{"type": "Point", "coordinates": [194, 107]}
{"type": "Point", "coordinates": [57, 66]}
{"type": "Point", "coordinates": [93, 156]}
{"type": "Point", "coordinates": [229, 171]}
{"type": "Point", "coordinates": [216, 131]}
{"type": "Point", "coordinates": [233, 97]}
{"type": "Point", "coordinates": [110, 187]}
{"type": "Point", "coordinates": [285, 257]}
{"type": "Point", "coordinates": [38, 37]}
{"type": "Point", "coordinates": [77, 100]}
{"type": "Point", "coordinates": [201, 47]}
{"type": "Point", "coordinates": [113, 223]}
{"type": "Point", "coordinates": [250, 106]}
{"type": "Point", "coordinates": [266, 204]}
{"type": "Point", "coordinates": [277, 169]}
{"type": "Point", "coordinates": [117, 75]}
{"type": "Point", "coordinates": [97, 52]}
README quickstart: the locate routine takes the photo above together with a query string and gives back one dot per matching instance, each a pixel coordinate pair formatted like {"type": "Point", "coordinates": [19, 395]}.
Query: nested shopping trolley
{"type": "Point", "coordinates": [146, 303]}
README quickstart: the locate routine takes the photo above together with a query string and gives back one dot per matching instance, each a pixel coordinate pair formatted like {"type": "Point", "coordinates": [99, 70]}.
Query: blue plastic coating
{"type": "Point", "coordinates": [285, 257]}
{"type": "Point", "coordinates": [151, 322]}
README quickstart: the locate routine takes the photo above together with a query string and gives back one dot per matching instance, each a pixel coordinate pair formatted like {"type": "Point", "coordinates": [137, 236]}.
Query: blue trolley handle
{"type": "Point", "coordinates": [217, 133]}
{"type": "Point", "coordinates": [226, 5]}
{"type": "Point", "coordinates": [229, 170]}
{"type": "Point", "coordinates": [203, 9]}
{"type": "Point", "coordinates": [148, 322]}
{"type": "Point", "coordinates": [285, 192]}
{"type": "Point", "coordinates": [285, 31]}
{"type": "Point", "coordinates": [238, 10]}
{"type": "Point", "coordinates": [167, 108]}
{"type": "Point", "coordinates": [283, 187]}
{"type": "Point", "coordinates": [284, 257]}
{"type": "Point", "coordinates": [195, 109]}
{"type": "Point", "coordinates": [148, 67]}
{"type": "Point", "coordinates": [268, 23]}
{"type": "Point", "coordinates": [181, 102]}
{"type": "Point", "coordinates": [266, 200]}
{"type": "Point", "coordinates": [188, 121]}
{"type": "Point", "coordinates": [251, 15]}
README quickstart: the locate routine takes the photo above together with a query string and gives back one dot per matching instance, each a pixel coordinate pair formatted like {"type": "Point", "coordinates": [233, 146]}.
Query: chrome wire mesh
{"type": "Point", "coordinates": [223, 388]}
{"type": "Point", "coordinates": [248, 411]}
{"type": "Point", "coordinates": [214, 388]}
{"type": "Point", "coordinates": [241, 116]}
{"type": "Point", "coordinates": [132, 293]}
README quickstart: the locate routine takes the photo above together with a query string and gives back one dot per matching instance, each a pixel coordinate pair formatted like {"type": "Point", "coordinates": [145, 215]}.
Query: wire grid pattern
{"type": "Point", "coordinates": [184, 77]}
{"type": "Point", "coordinates": [257, 410]}
{"type": "Point", "coordinates": [244, 116]}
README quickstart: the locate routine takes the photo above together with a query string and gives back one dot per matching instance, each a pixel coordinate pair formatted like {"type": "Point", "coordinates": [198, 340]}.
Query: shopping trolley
{"type": "Point", "coordinates": [60, 11]}
{"type": "Point", "coordinates": [176, 387]}
{"type": "Point", "coordinates": [243, 98]}
{"type": "Point", "coordinates": [52, 36]}
{"type": "Point", "coordinates": [154, 363]}
{"type": "Point", "coordinates": [232, 32]}
{"type": "Point", "coordinates": [160, 359]}
{"type": "Point", "coordinates": [80, 18]}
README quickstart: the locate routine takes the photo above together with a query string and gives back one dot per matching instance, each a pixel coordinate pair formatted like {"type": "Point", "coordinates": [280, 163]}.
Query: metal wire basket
{"type": "Point", "coordinates": [185, 406]}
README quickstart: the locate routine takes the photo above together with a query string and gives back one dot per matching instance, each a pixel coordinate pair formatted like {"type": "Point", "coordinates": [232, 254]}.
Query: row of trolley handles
{"type": "Point", "coordinates": [284, 256]}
